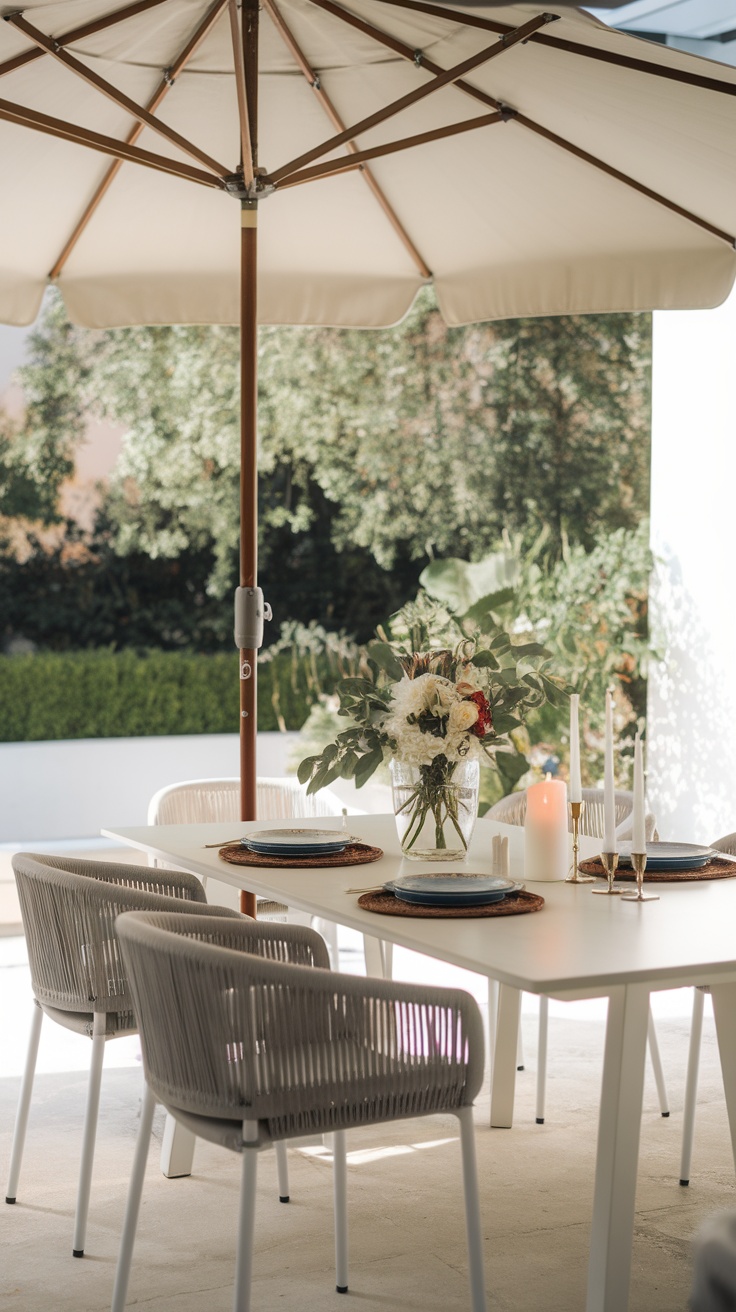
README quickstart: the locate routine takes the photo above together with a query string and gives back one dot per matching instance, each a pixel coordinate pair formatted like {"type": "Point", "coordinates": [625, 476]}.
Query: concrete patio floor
{"type": "Point", "coordinates": [406, 1213]}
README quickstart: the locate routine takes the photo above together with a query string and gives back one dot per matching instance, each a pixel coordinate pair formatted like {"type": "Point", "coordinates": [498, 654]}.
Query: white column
{"type": "Point", "coordinates": [692, 689]}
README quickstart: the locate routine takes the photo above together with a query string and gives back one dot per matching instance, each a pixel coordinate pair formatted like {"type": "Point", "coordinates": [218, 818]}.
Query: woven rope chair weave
{"type": "Point", "coordinates": [201, 801]}
{"type": "Point", "coordinates": [69, 907]}
{"type": "Point", "coordinates": [511, 810]}
{"type": "Point", "coordinates": [299, 1051]}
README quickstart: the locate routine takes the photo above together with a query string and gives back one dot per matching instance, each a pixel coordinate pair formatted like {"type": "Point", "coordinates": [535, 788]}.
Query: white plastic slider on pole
{"type": "Point", "coordinates": [250, 612]}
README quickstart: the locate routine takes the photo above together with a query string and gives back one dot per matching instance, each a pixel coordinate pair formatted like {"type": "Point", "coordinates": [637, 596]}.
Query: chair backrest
{"type": "Point", "coordinates": [228, 1031]}
{"type": "Point", "coordinates": [199, 801]}
{"type": "Point", "coordinates": [511, 810]}
{"type": "Point", "coordinates": [69, 907]}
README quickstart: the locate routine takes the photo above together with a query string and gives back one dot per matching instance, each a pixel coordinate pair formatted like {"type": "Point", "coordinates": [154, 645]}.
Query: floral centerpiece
{"type": "Point", "coordinates": [436, 712]}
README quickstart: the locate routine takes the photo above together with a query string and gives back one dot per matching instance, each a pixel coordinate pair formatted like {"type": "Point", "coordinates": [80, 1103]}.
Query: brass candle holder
{"type": "Point", "coordinates": [639, 862]}
{"type": "Point", "coordinates": [610, 865]}
{"type": "Point", "coordinates": [575, 876]}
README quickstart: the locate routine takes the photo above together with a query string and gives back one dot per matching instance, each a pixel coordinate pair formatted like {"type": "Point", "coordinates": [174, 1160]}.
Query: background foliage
{"type": "Point", "coordinates": [519, 448]}
{"type": "Point", "coordinates": [379, 452]}
{"type": "Point", "coordinates": [119, 694]}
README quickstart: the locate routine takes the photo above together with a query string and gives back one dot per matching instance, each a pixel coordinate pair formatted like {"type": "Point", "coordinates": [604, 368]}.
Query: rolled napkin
{"type": "Point", "coordinates": [500, 860]}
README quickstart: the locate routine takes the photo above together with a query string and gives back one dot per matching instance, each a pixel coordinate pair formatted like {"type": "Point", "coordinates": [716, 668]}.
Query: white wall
{"type": "Point", "coordinates": [63, 790]}
{"type": "Point", "coordinates": [692, 690]}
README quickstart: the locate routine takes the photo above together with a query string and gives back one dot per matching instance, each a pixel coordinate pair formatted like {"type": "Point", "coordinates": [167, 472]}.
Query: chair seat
{"type": "Point", "coordinates": [265, 907]}
{"type": "Point", "coordinates": [81, 1022]}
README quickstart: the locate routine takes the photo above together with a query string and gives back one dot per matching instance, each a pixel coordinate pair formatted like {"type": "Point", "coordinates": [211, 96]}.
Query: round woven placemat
{"type": "Point", "coordinates": [718, 868]}
{"type": "Point", "coordinates": [355, 854]}
{"type": "Point", "coordinates": [388, 905]}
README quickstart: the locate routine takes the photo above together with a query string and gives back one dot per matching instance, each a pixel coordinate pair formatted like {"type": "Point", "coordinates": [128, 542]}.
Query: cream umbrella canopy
{"type": "Point", "coordinates": [524, 162]}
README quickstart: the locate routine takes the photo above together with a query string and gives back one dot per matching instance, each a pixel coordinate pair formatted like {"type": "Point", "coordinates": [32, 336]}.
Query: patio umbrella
{"type": "Point", "coordinates": [524, 162]}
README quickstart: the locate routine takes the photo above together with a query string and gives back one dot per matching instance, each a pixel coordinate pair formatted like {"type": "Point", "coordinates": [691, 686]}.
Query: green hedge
{"type": "Point", "coordinates": [127, 694]}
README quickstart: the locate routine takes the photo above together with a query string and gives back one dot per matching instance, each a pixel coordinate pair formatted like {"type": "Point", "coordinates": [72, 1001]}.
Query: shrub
{"type": "Point", "coordinates": [107, 694]}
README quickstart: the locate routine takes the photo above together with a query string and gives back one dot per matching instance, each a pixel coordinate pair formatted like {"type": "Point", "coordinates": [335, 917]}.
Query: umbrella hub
{"type": "Point", "coordinates": [258, 189]}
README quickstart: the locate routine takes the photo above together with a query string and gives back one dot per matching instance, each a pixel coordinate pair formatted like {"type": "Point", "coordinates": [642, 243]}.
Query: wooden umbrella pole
{"type": "Point", "coordinates": [249, 430]}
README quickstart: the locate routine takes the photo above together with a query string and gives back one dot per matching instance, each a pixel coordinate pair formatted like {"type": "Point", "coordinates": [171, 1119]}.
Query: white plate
{"type": "Point", "coordinates": [303, 838]}
{"type": "Point", "coordinates": [672, 856]}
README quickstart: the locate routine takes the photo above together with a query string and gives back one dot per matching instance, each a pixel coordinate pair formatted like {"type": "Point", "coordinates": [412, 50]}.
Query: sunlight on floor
{"type": "Point", "coordinates": [365, 1155]}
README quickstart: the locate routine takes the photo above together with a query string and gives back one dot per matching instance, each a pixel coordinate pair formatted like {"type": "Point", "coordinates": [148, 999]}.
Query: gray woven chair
{"type": "Point", "coordinates": [511, 810]}
{"type": "Point", "coordinates": [248, 1047]}
{"type": "Point", "coordinates": [727, 845]}
{"type": "Point", "coordinates": [202, 801]}
{"type": "Point", "coordinates": [69, 907]}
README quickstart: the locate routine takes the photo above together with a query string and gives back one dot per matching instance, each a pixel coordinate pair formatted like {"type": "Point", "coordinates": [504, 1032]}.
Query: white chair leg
{"type": "Point", "coordinates": [472, 1211]}
{"type": "Point", "coordinates": [340, 1187]}
{"type": "Point", "coordinates": [387, 953]}
{"type": "Point", "coordinates": [282, 1168]}
{"type": "Point", "coordinates": [520, 1048]}
{"type": "Point", "coordinates": [90, 1132]}
{"type": "Point", "coordinates": [132, 1206]}
{"type": "Point", "coordinates": [246, 1220]}
{"type": "Point", "coordinates": [691, 1085]}
{"type": "Point", "coordinates": [542, 1058]}
{"type": "Point", "coordinates": [657, 1066]}
{"type": "Point", "coordinates": [24, 1104]}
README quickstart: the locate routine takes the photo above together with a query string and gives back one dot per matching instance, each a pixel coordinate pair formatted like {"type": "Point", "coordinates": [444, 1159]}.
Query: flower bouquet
{"type": "Point", "coordinates": [436, 713]}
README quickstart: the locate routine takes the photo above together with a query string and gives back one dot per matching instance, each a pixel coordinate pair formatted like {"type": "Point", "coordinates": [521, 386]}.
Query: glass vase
{"type": "Point", "coordinates": [436, 807]}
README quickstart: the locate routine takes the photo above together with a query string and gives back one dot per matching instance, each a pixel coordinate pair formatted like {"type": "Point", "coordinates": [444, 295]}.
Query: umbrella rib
{"type": "Point", "coordinates": [407, 52]}
{"type": "Point", "coordinates": [162, 90]}
{"type": "Point", "coordinates": [57, 127]}
{"type": "Point", "coordinates": [412, 56]}
{"type": "Point", "coordinates": [571, 47]}
{"type": "Point", "coordinates": [356, 161]}
{"type": "Point", "coordinates": [79, 33]}
{"type": "Point", "coordinates": [404, 102]}
{"type": "Point", "coordinates": [625, 178]}
{"type": "Point", "coordinates": [337, 122]}
{"type": "Point", "coordinates": [246, 145]}
{"type": "Point", "coordinates": [106, 88]}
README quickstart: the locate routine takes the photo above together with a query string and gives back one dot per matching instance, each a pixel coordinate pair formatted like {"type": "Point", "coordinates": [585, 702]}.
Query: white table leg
{"type": "Point", "coordinates": [503, 1083]}
{"type": "Point", "coordinates": [622, 1093]}
{"type": "Point", "coordinates": [177, 1149]}
{"type": "Point", "coordinates": [492, 1026]}
{"type": "Point", "coordinates": [374, 962]}
{"type": "Point", "coordinates": [724, 999]}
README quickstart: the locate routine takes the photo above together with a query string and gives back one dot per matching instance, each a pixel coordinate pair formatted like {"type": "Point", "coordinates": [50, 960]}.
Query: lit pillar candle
{"type": "Point", "coordinates": [545, 831]}
{"type": "Point", "coordinates": [638, 831]}
{"type": "Point", "coordinates": [609, 793]}
{"type": "Point", "coordinates": [576, 790]}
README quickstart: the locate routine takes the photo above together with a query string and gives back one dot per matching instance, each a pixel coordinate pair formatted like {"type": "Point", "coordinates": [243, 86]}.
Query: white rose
{"type": "Point", "coordinates": [463, 716]}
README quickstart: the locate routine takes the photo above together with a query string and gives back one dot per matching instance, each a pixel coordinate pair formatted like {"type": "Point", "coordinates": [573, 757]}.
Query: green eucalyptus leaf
{"type": "Point", "coordinates": [386, 659]}
{"type": "Point", "coordinates": [487, 607]}
{"type": "Point", "coordinates": [366, 767]}
{"type": "Point", "coordinates": [305, 768]}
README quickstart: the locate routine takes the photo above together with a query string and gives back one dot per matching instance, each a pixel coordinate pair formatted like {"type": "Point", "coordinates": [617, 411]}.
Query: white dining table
{"type": "Point", "coordinates": [579, 945]}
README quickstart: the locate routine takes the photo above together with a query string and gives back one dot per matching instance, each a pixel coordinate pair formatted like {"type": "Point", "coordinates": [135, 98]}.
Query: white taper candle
{"type": "Point", "coordinates": [638, 830]}
{"type": "Point", "coordinates": [609, 794]}
{"type": "Point", "coordinates": [576, 790]}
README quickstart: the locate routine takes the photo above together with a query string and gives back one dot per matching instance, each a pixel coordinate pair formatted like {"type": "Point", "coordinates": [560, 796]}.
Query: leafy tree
{"type": "Point", "coordinates": [422, 441]}
{"type": "Point", "coordinates": [38, 454]}
{"type": "Point", "coordinates": [379, 451]}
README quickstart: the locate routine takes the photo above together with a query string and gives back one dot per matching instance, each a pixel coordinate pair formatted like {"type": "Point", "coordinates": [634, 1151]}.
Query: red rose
{"type": "Point", "coordinates": [485, 714]}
